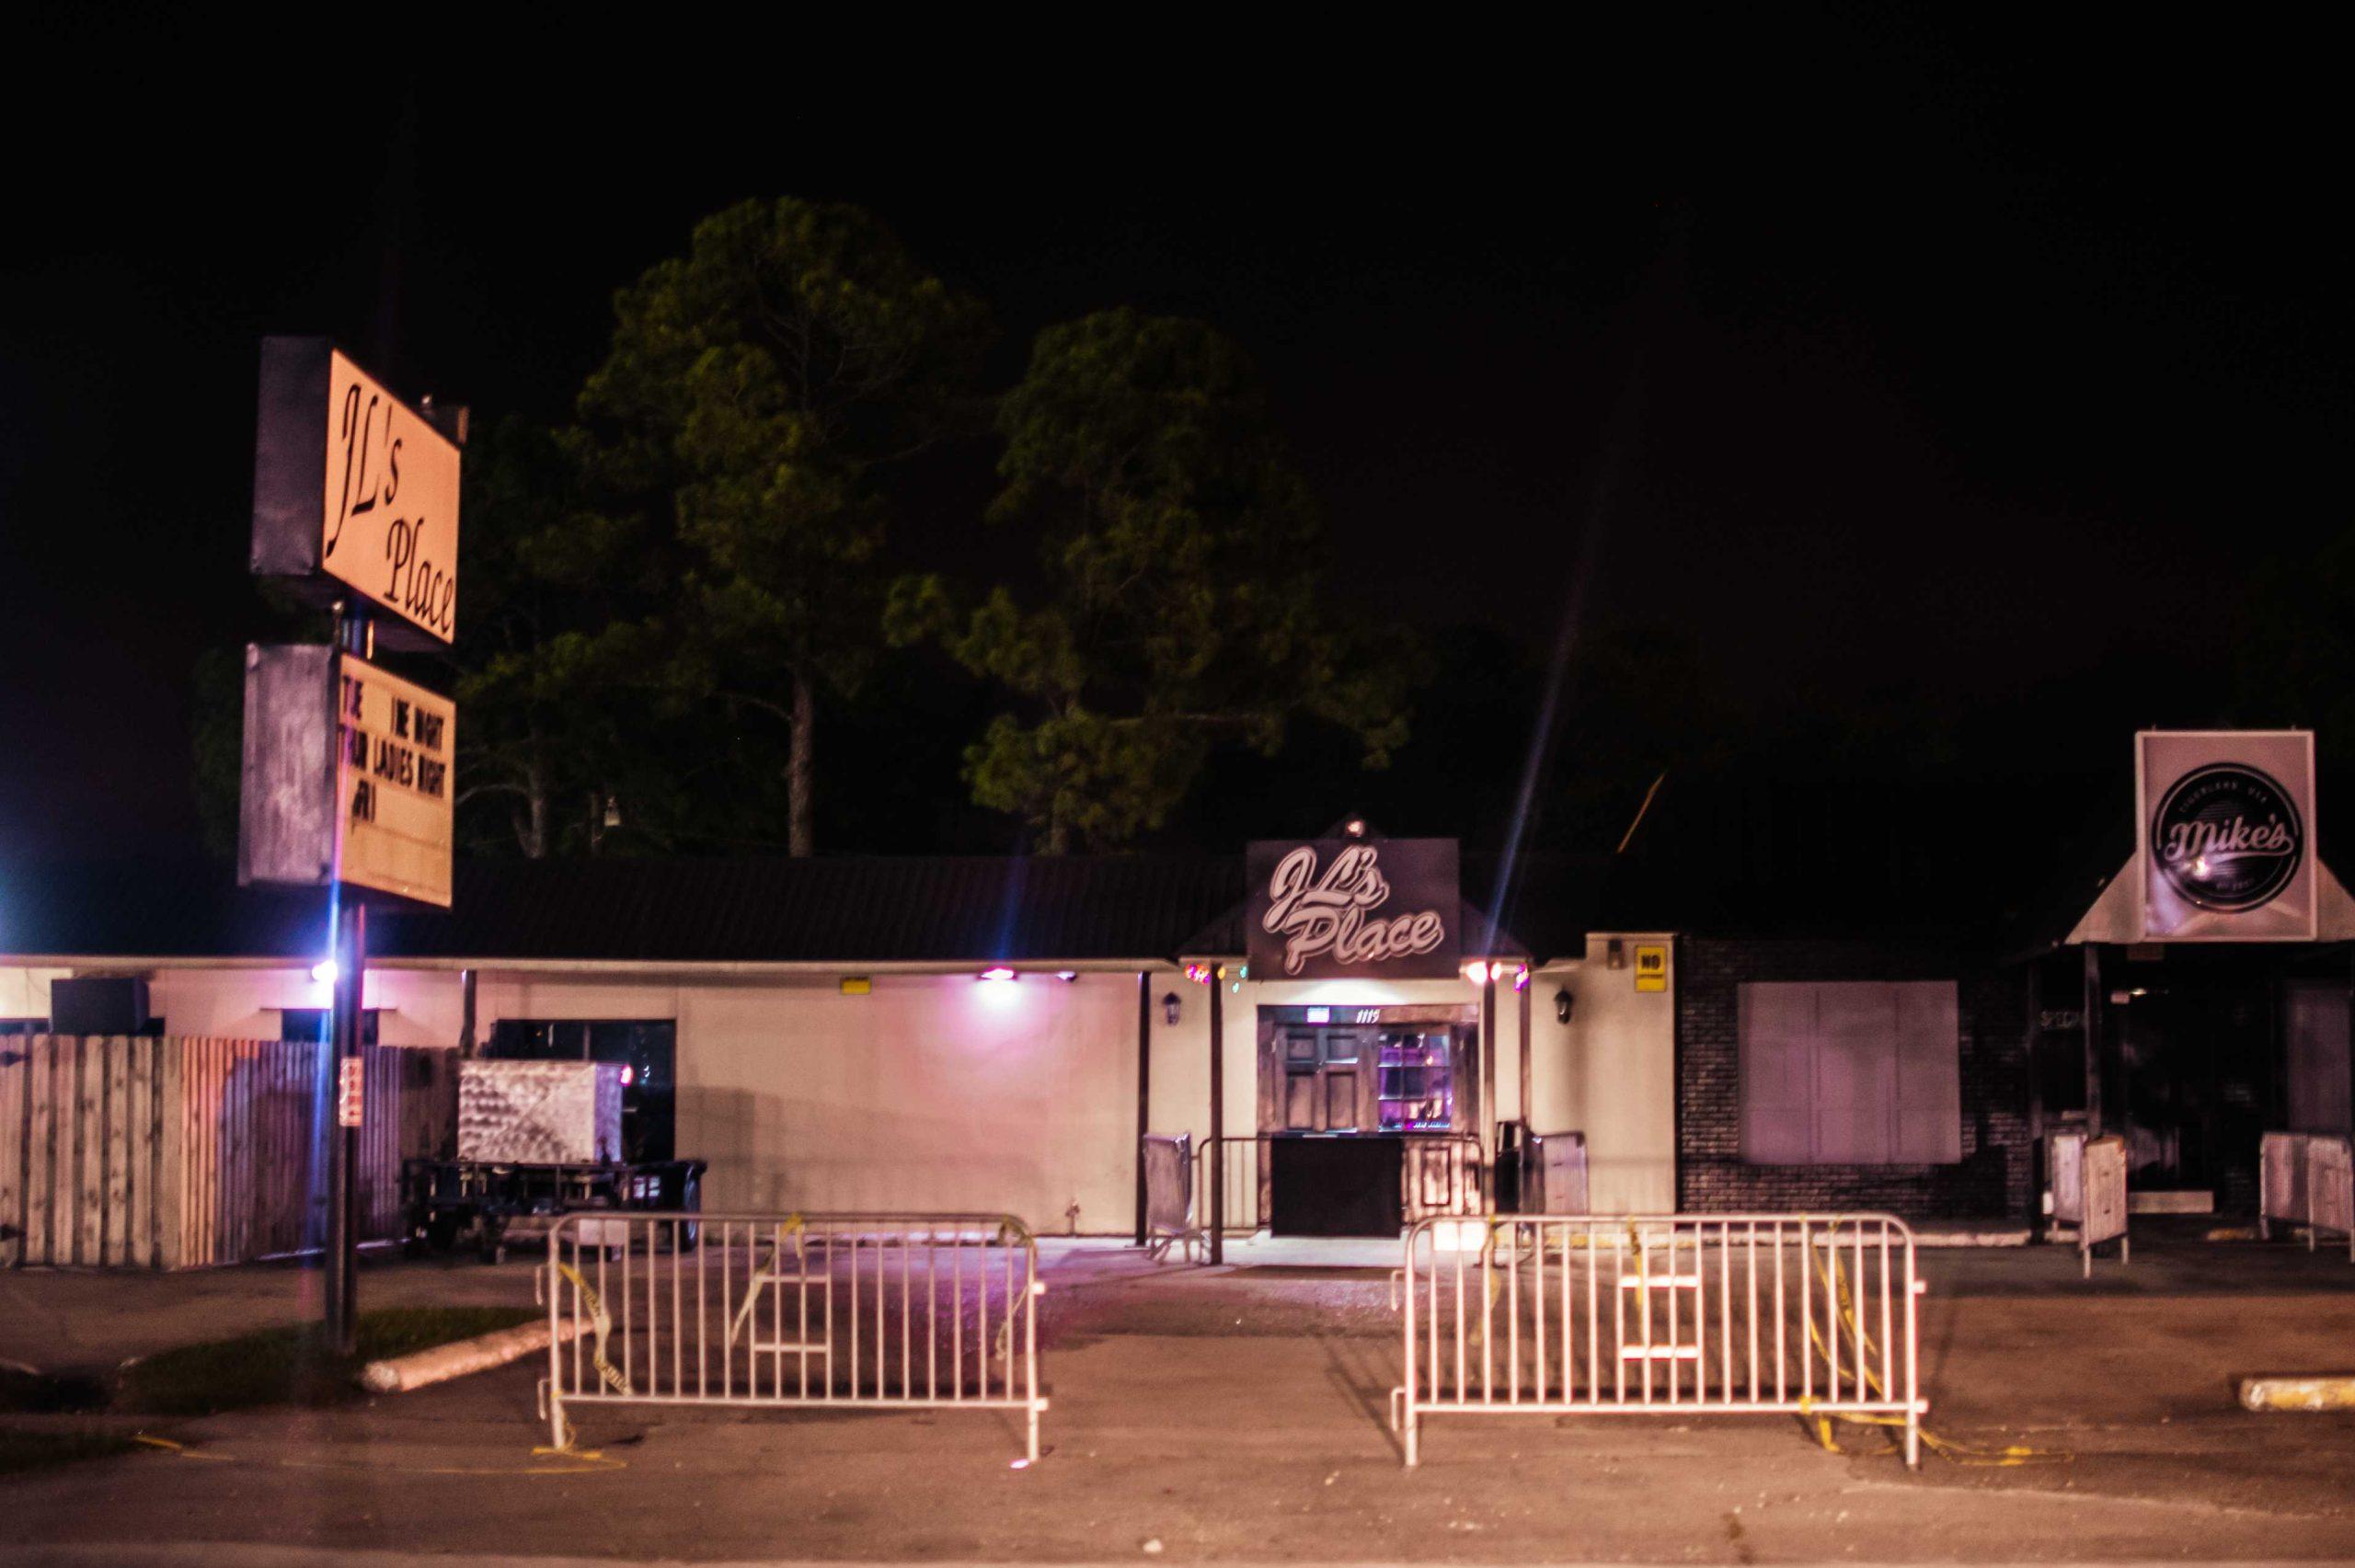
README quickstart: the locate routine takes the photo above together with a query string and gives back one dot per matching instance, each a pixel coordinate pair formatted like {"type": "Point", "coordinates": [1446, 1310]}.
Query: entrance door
{"type": "Point", "coordinates": [1326, 1072]}
{"type": "Point", "coordinates": [1355, 1107]}
{"type": "Point", "coordinates": [2318, 1089]}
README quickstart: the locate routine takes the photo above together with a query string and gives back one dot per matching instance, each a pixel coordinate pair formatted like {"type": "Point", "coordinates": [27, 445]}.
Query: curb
{"type": "Point", "coordinates": [458, 1358]}
{"type": "Point", "coordinates": [2334, 1392]}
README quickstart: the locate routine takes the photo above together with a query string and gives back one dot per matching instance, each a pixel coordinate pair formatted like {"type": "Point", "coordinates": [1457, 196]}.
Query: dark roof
{"type": "Point", "coordinates": [848, 909]}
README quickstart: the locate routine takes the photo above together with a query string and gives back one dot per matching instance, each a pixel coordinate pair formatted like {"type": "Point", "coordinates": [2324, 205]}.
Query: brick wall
{"type": "Point", "coordinates": [1995, 1177]}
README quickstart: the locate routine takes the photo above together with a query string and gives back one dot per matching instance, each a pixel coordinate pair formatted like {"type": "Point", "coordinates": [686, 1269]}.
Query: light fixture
{"type": "Point", "coordinates": [1562, 999]}
{"type": "Point", "coordinates": [1066, 976]}
{"type": "Point", "coordinates": [997, 972]}
{"type": "Point", "coordinates": [1199, 973]}
{"type": "Point", "coordinates": [1320, 1016]}
{"type": "Point", "coordinates": [1169, 1008]}
{"type": "Point", "coordinates": [1614, 954]}
{"type": "Point", "coordinates": [326, 971]}
{"type": "Point", "coordinates": [1476, 972]}
{"type": "Point", "coordinates": [1354, 827]}
{"type": "Point", "coordinates": [1521, 978]}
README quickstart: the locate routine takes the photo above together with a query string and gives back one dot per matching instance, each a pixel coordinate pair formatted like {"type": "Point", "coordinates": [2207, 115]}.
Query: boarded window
{"type": "Point", "coordinates": [1851, 1073]}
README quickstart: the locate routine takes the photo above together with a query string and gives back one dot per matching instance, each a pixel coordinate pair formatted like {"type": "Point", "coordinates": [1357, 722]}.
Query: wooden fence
{"type": "Point", "coordinates": [178, 1153]}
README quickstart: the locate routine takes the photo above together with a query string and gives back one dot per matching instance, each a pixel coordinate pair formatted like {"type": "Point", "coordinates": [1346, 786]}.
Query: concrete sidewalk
{"type": "Point", "coordinates": [1239, 1415]}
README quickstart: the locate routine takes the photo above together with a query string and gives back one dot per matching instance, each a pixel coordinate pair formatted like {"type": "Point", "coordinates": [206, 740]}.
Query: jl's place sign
{"type": "Point", "coordinates": [2226, 846]}
{"type": "Point", "coordinates": [1330, 908]}
{"type": "Point", "coordinates": [352, 483]}
{"type": "Point", "coordinates": [347, 776]}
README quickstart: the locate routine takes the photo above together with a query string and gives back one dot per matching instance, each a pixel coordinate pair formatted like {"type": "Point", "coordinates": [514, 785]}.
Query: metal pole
{"type": "Point", "coordinates": [1527, 1073]}
{"type": "Point", "coordinates": [2093, 1031]}
{"type": "Point", "coordinates": [351, 969]}
{"type": "Point", "coordinates": [343, 1191]}
{"type": "Point", "coordinates": [1144, 1087]}
{"type": "Point", "coordinates": [1218, 1114]}
{"type": "Point", "coordinates": [1488, 1118]}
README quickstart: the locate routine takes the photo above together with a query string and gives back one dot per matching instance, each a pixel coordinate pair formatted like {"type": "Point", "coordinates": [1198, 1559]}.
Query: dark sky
{"type": "Point", "coordinates": [1973, 365]}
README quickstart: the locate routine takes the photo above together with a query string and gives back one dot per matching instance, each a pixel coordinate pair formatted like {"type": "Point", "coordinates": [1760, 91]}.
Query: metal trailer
{"type": "Point", "coordinates": [448, 1201]}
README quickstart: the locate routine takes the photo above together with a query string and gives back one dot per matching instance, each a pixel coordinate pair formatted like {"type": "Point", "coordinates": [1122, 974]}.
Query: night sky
{"type": "Point", "coordinates": [1970, 372]}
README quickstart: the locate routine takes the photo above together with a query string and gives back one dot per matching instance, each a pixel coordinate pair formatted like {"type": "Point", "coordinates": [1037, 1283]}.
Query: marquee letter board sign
{"type": "Point", "coordinates": [1353, 908]}
{"type": "Point", "coordinates": [2225, 845]}
{"type": "Point", "coordinates": [352, 483]}
{"type": "Point", "coordinates": [345, 760]}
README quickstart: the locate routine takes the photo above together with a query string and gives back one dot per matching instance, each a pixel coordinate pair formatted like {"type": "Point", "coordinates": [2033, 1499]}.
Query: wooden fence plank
{"type": "Point", "coordinates": [13, 1053]}
{"type": "Point", "coordinates": [114, 1238]}
{"type": "Point", "coordinates": [40, 1141]}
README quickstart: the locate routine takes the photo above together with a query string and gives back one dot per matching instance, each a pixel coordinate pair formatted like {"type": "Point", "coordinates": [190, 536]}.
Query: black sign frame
{"type": "Point", "coordinates": [1353, 908]}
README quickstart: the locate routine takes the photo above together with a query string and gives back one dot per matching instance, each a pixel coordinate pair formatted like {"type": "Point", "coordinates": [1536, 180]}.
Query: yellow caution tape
{"type": "Point", "coordinates": [601, 1323]}
{"type": "Point", "coordinates": [588, 1461]}
{"type": "Point", "coordinates": [792, 1225]}
{"type": "Point", "coordinates": [1828, 1268]}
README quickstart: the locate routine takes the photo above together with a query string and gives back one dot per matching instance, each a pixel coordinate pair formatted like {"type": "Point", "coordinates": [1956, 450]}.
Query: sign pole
{"type": "Point", "coordinates": [351, 980]}
{"type": "Point", "coordinates": [1218, 1114]}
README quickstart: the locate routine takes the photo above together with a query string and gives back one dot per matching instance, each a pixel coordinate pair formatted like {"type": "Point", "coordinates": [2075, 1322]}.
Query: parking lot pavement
{"type": "Point", "coordinates": [93, 1320]}
{"type": "Point", "coordinates": [1239, 1415]}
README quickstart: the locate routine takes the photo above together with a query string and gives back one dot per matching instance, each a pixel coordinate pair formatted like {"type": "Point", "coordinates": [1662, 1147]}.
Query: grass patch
{"type": "Point", "coordinates": [21, 1450]}
{"type": "Point", "coordinates": [290, 1366]}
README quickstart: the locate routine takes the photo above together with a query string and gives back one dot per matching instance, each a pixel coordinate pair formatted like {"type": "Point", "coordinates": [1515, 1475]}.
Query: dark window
{"type": "Point", "coordinates": [643, 1049]}
{"type": "Point", "coordinates": [1851, 1073]}
{"type": "Point", "coordinates": [313, 1023]}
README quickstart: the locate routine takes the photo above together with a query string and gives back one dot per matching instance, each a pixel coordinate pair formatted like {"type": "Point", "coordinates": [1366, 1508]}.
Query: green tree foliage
{"type": "Point", "coordinates": [557, 670]}
{"type": "Point", "coordinates": [1181, 604]}
{"type": "Point", "coordinates": [756, 390]}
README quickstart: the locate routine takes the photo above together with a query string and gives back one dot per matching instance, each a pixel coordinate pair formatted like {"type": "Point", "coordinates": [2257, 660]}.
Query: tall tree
{"type": "Point", "coordinates": [557, 670]}
{"type": "Point", "coordinates": [756, 392]}
{"type": "Point", "coordinates": [1183, 606]}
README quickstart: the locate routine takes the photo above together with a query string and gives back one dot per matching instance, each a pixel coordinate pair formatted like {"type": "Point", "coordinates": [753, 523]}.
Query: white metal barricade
{"type": "Point", "coordinates": [2307, 1179]}
{"type": "Point", "coordinates": [2088, 1175]}
{"type": "Point", "coordinates": [1169, 1196]}
{"type": "Point", "coordinates": [1806, 1314]}
{"type": "Point", "coordinates": [880, 1311]}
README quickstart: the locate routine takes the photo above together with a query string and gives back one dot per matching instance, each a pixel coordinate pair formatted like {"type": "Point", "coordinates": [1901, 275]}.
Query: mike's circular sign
{"type": "Point", "coordinates": [2227, 837]}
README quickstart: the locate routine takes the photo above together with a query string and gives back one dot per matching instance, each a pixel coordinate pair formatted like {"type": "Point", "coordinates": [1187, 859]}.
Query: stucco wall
{"type": "Point", "coordinates": [949, 1093]}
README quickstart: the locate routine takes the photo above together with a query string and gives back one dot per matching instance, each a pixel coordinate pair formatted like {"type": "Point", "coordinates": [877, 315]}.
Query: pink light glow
{"type": "Point", "coordinates": [999, 972]}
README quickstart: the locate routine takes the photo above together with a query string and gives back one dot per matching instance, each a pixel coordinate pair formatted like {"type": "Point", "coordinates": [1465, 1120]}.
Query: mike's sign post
{"type": "Point", "coordinates": [2226, 850]}
{"type": "Point", "coordinates": [347, 772]}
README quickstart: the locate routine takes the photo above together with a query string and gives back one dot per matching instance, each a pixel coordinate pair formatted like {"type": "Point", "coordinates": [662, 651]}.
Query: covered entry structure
{"type": "Point", "coordinates": [2197, 997]}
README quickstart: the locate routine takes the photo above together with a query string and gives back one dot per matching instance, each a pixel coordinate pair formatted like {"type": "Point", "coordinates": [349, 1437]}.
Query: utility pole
{"type": "Point", "coordinates": [347, 1035]}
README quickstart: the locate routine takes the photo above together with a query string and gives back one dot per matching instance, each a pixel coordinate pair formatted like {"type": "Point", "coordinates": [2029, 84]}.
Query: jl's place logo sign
{"type": "Point", "coordinates": [1330, 907]}
{"type": "Point", "coordinates": [2227, 837]}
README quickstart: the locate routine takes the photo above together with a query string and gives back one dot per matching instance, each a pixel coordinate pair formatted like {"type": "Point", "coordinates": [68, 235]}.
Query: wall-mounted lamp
{"type": "Point", "coordinates": [1199, 973]}
{"type": "Point", "coordinates": [1354, 827]}
{"type": "Point", "coordinates": [1169, 1008]}
{"type": "Point", "coordinates": [1562, 999]}
{"type": "Point", "coordinates": [1476, 971]}
{"type": "Point", "coordinates": [1614, 954]}
{"type": "Point", "coordinates": [997, 972]}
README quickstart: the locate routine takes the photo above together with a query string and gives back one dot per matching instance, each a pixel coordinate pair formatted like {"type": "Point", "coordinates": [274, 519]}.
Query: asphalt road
{"type": "Point", "coordinates": [1239, 1416]}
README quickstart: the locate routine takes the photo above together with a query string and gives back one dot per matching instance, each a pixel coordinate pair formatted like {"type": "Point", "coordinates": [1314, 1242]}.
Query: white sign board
{"type": "Point", "coordinates": [350, 483]}
{"type": "Point", "coordinates": [393, 744]}
{"type": "Point", "coordinates": [2224, 843]}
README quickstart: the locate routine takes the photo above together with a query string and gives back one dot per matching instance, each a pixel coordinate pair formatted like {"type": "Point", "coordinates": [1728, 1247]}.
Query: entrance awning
{"type": "Point", "coordinates": [2116, 914]}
